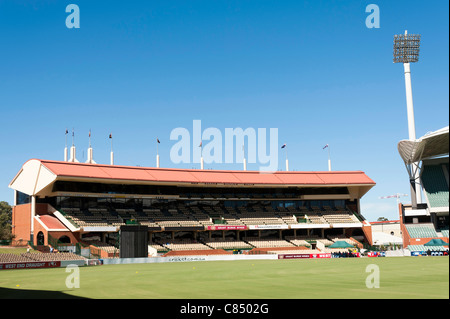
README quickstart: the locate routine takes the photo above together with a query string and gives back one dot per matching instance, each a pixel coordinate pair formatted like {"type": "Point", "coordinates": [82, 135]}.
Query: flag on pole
{"type": "Point", "coordinates": [284, 145]}
{"type": "Point", "coordinates": [110, 135]}
{"type": "Point", "coordinates": [325, 147]}
{"type": "Point", "coordinates": [157, 140]}
{"type": "Point", "coordinates": [67, 131]}
{"type": "Point", "coordinates": [89, 133]}
{"type": "Point", "coordinates": [201, 143]}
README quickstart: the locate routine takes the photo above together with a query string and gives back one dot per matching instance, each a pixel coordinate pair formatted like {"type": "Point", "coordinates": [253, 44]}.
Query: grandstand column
{"type": "Point", "coordinates": [33, 213]}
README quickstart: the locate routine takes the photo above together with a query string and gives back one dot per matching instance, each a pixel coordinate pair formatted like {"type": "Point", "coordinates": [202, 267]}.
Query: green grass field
{"type": "Point", "coordinates": [401, 277]}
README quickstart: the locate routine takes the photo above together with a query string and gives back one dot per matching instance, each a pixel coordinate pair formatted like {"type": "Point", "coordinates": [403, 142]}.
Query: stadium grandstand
{"type": "Point", "coordinates": [79, 207]}
{"type": "Point", "coordinates": [424, 223]}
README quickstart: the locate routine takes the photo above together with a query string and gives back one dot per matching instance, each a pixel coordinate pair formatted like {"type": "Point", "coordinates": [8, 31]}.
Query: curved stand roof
{"type": "Point", "coordinates": [430, 145]}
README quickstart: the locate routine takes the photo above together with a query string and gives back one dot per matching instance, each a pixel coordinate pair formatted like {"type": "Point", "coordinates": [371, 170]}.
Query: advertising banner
{"type": "Point", "coordinates": [29, 265]}
{"type": "Point", "coordinates": [227, 227]}
{"type": "Point", "coordinates": [303, 256]}
{"type": "Point", "coordinates": [268, 226]}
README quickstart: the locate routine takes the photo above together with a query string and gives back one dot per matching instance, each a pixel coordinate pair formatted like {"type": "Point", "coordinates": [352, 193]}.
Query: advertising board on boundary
{"type": "Point", "coordinates": [30, 265]}
{"type": "Point", "coordinates": [300, 256]}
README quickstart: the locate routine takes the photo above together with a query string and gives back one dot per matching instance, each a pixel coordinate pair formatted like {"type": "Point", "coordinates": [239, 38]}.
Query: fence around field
{"type": "Point", "coordinates": [116, 261]}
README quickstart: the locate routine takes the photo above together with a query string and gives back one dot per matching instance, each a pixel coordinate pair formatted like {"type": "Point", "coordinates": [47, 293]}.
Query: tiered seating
{"type": "Point", "coordinates": [145, 217]}
{"type": "Point", "coordinates": [287, 218]}
{"type": "Point", "coordinates": [314, 217]}
{"type": "Point", "coordinates": [333, 217]}
{"type": "Point", "coordinates": [421, 230]}
{"type": "Point", "coordinates": [105, 247]}
{"type": "Point", "coordinates": [200, 216]}
{"type": "Point", "coordinates": [181, 215]}
{"type": "Point", "coordinates": [93, 217]}
{"type": "Point", "coordinates": [426, 248]}
{"type": "Point", "coordinates": [227, 244]}
{"type": "Point", "coordinates": [32, 257]}
{"type": "Point", "coordinates": [184, 244]}
{"type": "Point", "coordinates": [435, 185]}
{"type": "Point", "coordinates": [52, 256]}
{"type": "Point", "coordinates": [260, 219]}
{"type": "Point", "coordinates": [158, 247]}
{"type": "Point", "coordinates": [231, 218]}
{"type": "Point", "coordinates": [265, 243]}
{"type": "Point", "coordinates": [13, 258]}
{"type": "Point", "coordinates": [298, 241]}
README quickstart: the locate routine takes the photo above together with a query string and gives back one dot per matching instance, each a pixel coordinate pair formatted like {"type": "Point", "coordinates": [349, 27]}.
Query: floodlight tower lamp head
{"type": "Point", "coordinates": [406, 47]}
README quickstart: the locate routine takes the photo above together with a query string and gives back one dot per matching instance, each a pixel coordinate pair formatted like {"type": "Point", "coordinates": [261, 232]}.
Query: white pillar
{"type": "Point", "coordinates": [73, 155]}
{"type": "Point", "coordinates": [65, 154]}
{"type": "Point", "coordinates": [287, 165]}
{"type": "Point", "coordinates": [245, 164]}
{"type": "Point", "coordinates": [112, 158]}
{"type": "Point", "coordinates": [409, 103]}
{"type": "Point", "coordinates": [33, 213]}
{"type": "Point", "coordinates": [201, 163]}
{"type": "Point", "coordinates": [411, 125]}
{"type": "Point", "coordinates": [157, 161]}
{"type": "Point", "coordinates": [90, 156]}
{"type": "Point", "coordinates": [329, 165]}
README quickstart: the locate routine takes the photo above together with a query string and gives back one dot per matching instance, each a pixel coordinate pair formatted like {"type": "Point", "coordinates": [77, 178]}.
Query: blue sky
{"type": "Point", "coordinates": [140, 69]}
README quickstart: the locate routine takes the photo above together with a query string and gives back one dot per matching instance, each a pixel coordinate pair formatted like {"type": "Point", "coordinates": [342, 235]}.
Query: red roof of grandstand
{"type": "Point", "coordinates": [115, 172]}
{"type": "Point", "coordinates": [36, 177]}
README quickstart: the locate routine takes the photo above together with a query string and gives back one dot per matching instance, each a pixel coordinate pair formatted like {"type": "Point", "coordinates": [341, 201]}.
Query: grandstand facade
{"type": "Point", "coordinates": [75, 205]}
{"type": "Point", "coordinates": [424, 222]}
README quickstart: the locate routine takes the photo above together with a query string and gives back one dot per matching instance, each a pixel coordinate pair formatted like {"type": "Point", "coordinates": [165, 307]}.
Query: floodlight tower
{"type": "Point", "coordinates": [406, 51]}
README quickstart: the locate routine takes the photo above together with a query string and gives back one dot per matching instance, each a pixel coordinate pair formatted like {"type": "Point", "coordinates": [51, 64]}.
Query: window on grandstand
{"type": "Point", "coordinates": [22, 198]}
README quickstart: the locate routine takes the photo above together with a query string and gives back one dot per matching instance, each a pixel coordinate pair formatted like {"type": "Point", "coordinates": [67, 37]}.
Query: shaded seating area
{"type": "Point", "coordinates": [33, 257]}
{"type": "Point", "coordinates": [421, 230]}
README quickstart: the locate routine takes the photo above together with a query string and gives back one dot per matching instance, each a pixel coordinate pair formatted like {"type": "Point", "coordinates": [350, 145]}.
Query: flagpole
{"type": "Point", "coordinates": [112, 153]}
{"type": "Point", "coordinates": [65, 148]}
{"type": "Point", "coordinates": [201, 155]}
{"type": "Point", "coordinates": [90, 153]}
{"type": "Point", "coordinates": [245, 161]}
{"type": "Point", "coordinates": [329, 159]}
{"type": "Point", "coordinates": [72, 149]}
{"type": "Point", "coordinates": [157, 152]}
{"type": "Point", "coordinates": [287, 161]}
